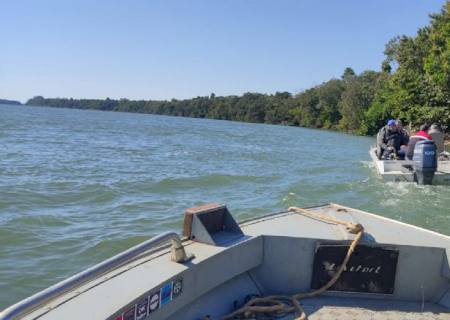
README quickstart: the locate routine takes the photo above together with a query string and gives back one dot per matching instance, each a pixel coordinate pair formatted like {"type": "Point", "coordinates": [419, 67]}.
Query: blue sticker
{"type": "Point", "coordinates": [166, 293]}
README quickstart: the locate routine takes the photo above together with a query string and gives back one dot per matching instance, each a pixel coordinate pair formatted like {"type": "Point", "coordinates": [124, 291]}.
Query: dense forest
{"type": "Point", "coordinates": [413, 84]}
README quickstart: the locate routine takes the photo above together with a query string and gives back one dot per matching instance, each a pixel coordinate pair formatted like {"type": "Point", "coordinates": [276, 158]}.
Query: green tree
{"type": "Point", "coordinates": [357, 98]}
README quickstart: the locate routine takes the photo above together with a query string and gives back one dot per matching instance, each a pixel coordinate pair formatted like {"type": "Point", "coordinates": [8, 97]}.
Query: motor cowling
{"type": "Point", "coordinates": [425, 161]}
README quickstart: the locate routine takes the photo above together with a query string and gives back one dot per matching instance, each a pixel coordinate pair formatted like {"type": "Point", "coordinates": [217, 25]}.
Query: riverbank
{"type": "Point", "coordinates": [85, 106]}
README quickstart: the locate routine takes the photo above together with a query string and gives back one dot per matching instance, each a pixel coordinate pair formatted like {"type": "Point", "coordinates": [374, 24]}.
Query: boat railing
{"type": "Point", "coordinates": [32, 303]}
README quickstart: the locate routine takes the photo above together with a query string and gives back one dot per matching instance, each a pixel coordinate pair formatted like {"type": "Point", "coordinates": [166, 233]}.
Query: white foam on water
{"type": "Point", "coordinates": [368, 164]}
{"type": "Point", "coordinates": [390, 202]}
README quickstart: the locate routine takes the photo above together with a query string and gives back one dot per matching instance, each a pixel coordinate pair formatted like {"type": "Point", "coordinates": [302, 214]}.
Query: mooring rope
{"type": "Point", "coordinates": [282, 304]}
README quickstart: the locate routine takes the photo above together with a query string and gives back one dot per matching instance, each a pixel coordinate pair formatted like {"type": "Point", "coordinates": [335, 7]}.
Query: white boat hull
{"type": "Point", "coordinates": [401, 170]}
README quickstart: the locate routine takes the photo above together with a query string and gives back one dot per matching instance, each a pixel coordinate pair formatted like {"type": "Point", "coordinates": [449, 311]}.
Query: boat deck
{"type": "Point", "coordinates": [331, 308]}
{"type": "Point", "coordinates": [274, 256]}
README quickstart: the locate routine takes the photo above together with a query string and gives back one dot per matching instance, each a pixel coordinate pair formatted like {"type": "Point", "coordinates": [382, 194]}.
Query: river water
{"type": "Point", "coordinates": [79, 186]}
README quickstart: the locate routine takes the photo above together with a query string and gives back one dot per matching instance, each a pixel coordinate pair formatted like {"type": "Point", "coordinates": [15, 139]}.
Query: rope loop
{"type": "Point", "coordinates": [277, 304]}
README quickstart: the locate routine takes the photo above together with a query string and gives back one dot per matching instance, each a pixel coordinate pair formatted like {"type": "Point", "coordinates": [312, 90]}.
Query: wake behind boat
{"type": "Point", "coordinates": [324, 262]}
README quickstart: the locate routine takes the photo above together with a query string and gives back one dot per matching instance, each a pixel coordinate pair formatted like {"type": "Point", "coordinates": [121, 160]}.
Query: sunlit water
{"type": "Point", "coordinates": [78, 186]}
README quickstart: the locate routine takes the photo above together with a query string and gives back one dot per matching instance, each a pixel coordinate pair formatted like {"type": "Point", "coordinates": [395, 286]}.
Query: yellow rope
{"type": "Point", "coordinates": [277, 303]}
{"type": "Point", "coordinates": [351, 227]}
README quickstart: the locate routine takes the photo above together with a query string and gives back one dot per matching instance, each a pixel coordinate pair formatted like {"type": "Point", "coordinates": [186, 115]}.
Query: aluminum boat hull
{"type": "Point", "coordinates": [401, 170]}
{"type": "Point", "coordinates": [274, 254]}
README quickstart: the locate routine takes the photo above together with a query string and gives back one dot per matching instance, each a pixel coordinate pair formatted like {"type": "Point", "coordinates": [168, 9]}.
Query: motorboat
{"type": "Point", "coordinates": [405, 170]}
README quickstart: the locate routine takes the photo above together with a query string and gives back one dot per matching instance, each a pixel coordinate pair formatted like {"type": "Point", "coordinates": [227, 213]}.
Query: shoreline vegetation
{"type": "Point", "coordinates": [413, 85]}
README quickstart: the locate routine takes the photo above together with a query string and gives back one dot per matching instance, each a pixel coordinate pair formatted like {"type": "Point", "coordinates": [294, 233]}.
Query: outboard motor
{"type": "Point", "coordinates": [425, 161]}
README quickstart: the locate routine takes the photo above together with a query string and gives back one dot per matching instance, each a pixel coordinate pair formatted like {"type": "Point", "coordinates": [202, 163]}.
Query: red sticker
{"type": "Point", "coordinates": [130, 314]}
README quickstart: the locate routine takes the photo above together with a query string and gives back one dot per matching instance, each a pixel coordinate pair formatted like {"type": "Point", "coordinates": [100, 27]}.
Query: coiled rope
{"type": "Point", "coordinates": [281, 304]}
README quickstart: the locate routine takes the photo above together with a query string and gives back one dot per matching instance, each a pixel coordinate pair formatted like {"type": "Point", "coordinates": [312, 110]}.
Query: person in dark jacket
{"type": "Point", "coordinates": [404, 139]}
{"type": "Point", "coordinates": [402, 131]}
{"type": "Point", "coordinates": [389, 141]}
{"type": "Point", "coordinates": [422, 134]}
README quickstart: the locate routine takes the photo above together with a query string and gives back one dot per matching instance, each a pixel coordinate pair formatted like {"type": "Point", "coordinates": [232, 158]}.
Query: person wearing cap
{"type": "Point", "coordinates": [389, 141]}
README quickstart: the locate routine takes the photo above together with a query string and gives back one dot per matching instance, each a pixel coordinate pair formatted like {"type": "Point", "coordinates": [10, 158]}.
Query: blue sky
{"type": "Point", "coordinates": [180, 49]}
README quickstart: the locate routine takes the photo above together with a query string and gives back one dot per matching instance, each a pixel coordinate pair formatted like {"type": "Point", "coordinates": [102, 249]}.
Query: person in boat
{"type": "Point", "coordinates": [422, 134]}
{"type": "Point", "coordinates": [402, 131]}
{"type": "Point", "coordinates": [437, 134]}
{"type": "Point", "coordinates": [389, 141]}
{"type": "Point", "coordinates": [404, 139]}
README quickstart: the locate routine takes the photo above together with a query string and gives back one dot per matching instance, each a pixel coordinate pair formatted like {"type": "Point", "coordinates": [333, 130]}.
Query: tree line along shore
{"type": "Point", "coordinates": [11, 102]}
{"type": "Point", "coordinates": [413, 84]}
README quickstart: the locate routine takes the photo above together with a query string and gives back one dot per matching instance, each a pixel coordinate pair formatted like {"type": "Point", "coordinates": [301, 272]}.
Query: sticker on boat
{"type": "Point", "coordinates": [177, 288]}
{"type": "Point", "coordinates": [166, 294]}
{"type": "Point", "coordinates": [130, 314]}
{"type": "Point", "coordinates": [154, 302]}
{"type": "Point", "coordinates": [141, 309]}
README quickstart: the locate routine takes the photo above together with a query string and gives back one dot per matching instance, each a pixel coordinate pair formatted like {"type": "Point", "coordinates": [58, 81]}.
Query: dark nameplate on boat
{"type": "Point", "coordinates": [370, 269]}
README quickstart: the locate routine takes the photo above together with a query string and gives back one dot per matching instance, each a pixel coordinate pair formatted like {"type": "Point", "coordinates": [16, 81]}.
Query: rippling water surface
{"type": "Point", "coordinates": [78, 186]}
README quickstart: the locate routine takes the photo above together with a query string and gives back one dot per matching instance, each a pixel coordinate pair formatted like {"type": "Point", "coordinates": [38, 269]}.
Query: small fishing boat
{"type": "Point", "coordinates": [406, 170]}
{"type": "Point", "coordinates": [322, 262]}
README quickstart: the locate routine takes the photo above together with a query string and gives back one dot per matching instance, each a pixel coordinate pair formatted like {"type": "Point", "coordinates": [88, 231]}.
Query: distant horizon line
{"type": "Point", "coordinates": [132, 99]}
